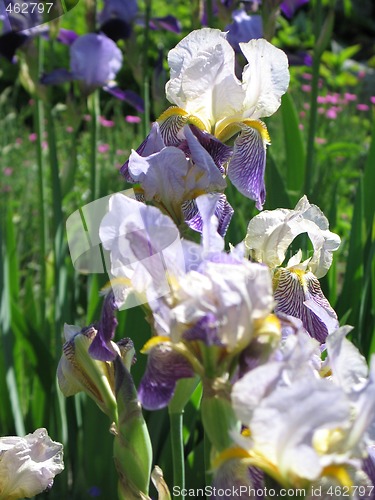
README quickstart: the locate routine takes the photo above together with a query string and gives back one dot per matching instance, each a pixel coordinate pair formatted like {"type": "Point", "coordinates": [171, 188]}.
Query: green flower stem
{"type": "Point", "coordinates": [145, 69]}
{"type": "Point", "coordinates": [94, 108]}
{"type": "Point", "coordinates": [38, 119]}
{"type": "Point", "coordinates": [176, 430]}
{"type": "Point", "coordinates": [207, 459]}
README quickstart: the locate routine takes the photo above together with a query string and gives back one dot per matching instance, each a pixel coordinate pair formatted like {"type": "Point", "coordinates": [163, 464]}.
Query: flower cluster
{"type": "Point", "coordinates": [286, 396]}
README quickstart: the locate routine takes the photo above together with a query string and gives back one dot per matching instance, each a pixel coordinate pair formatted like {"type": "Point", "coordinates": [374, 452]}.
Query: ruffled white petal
{"type": "Point", "coordinates": [202, 77]}
{"type": "Point", "coordinates": [28, 464]}
{"type": "Point", "coordinates": [265, 78]}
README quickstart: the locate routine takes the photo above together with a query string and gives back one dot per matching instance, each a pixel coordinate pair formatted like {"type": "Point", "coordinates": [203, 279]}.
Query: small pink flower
{"type": "Point", "coordinates": [118, 166]}
{"type": "Point", "coordinates": [31, 102]}
{"type": "Point", "coordinates": [306, 105]}
{"type": "Point", "coordinates": [306, 88]}
{"type": "Point", "coordinates": [321, 110]}
{"type": "Point", "coordinates": [44, 144]}
{"type": "Point", "coordinates": [302, 114]}
{"type": "Point", "coordinates": [33, 137]}
{"type": "Point", "coordinates": [8, 171]}
{"type": "Point", "coordinates": [87, 118]}
{"type": "Point", "coordinates": [19, 141]}
{"type": "Point", "coordinates": [106, 123]}
{"type": "Point", "coordinates": [320, 140]}
{"type": "Point", "coordinates": [350, 97]}
{"type": "Point", "coordinates": [120, 152]}
{"type": "Point", "coordinates": [132, 119]}
{"type": "Point", "coordinates": [361, 74]}
{"type": "Point", "coordinates": [363, 107]}
{"type": "Point", "coordinates": [372, 99]}
{"type": "Point", "coordinates": [331, 113]}
{"type": "Point", "coordinates": [321, 99]}
{"type": "Point", "coordinates": [301, 126]}
{"type": "Point", "coordinates": [69, 129]}
{"type": "Point", "coordinates": [307, 76]}
{"type": "Point", "coordinates": [103, 148]}
{"type": "Point", "coordinates": [333, 98]}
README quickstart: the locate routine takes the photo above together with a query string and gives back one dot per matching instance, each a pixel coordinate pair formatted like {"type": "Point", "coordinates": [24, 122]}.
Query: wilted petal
{"type": "Point", "coordinates": [28, 464]}
{"type": "Point", "coordinates": [247, 166]}
{"type": "Point", "coordinates": [164, 368]}
{"type": "Point", "coordinates": [95, 59]}
{"type": "Point", "coordinates": [292, 288]}
{"type": "Point", "coordinates": [265, 78]}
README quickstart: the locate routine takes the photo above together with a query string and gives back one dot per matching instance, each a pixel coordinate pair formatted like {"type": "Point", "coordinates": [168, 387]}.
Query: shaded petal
{"type": "Point", "coordinates": [164, 368]}
{"type": "Point", "coordinates": [289, 7]}
{"type": "Point", "coordinates": [202, 77]}
{"type": "Point", "coordinates": [219, 152]}
{"type": "Point", "coordinates": [292, 288]}
{"type": "Point", "coordinates": [169, 23]}
{"type": "Point", "coordinates": [161, 175]}
{"type": "Point", "coordinates": [128, 96]}
{"type": "Point", "coordinates": [206, 329]}
{"type": "Point", "coordinates": [235, 479]}
{"type": "Point", "coordinates": [101, 347]}
{"type": "Point", "coordinates": [248, 163]}
{"type": "Point", "coordinates": [10, 42]}
{"type": "Point", "coordinates": [57, 77]}
{"type": "Point", "coordinates": [223, 212]}
{"type": "Point", "coordinates": [152, 144]}
{"type": "Point", "coordinates": [265, 78]}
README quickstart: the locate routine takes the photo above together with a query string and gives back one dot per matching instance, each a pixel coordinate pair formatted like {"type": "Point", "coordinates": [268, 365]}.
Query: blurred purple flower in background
{"type": "Point", "coordinates": [95, 61]}
{"type": "Point", "coordinates": [117, 17]}
{"type": "Point", "coordinates": [289, 7]}
{"type": "Point", "coordinates": [243, 28]}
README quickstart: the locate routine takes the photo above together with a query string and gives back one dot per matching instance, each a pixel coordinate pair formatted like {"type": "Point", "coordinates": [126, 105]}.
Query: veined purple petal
{"type": "Point", "coordinates": [169, 23]}
{"type": "Point", "coordinates": [57, 77]}
{"type": "Point", "coordinates": [152, 144]}
{"type": "Point", "coordinates": [219, 152]}
{"type": "Point", "coordinates": [170, 129]}
{"type": "Point", "coordinates": [292, 290]}
{"type": "Point", "coordinates": [369, 465]}
{"type": "Point", "coordinates": [247, 166]}
{"type": "Point", "coordinates": [289, 7]}
{"type": "Point", "coordinates": [206, 330]}
{"type": "Point", "coordinates": [128, 96]}
{"type": "Point", "coordinates": [101, 348]}
{"type": "Point", "coordinates": [223, 212]}
{"type": "Point", "coordinates": [95, 59]}
{"type": "Point", "coordinates": [164, 368]}
{"type": "Point", "coordinates": [234, 479]}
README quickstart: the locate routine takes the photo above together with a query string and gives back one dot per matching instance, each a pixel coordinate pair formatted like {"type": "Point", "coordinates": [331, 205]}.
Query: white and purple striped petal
{"type": "Point", "coordinates": [292, 290]}
{"type": "Point", "coordinates": [164, 368]}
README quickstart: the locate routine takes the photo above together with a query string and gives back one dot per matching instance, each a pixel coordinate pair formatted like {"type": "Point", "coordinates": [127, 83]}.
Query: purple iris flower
{"type": "Point", "coordinates": [95, 60]}
{"type": "Point", "coordinates": [117, 17]}
{"type": "Point", "coordinates": [243, 28]}
{"type": "Point", "coordinates": [289, 7]}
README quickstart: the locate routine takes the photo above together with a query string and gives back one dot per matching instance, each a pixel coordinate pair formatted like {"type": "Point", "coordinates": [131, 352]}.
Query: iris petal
{"type": "Point", "coordinates": [246, 168]}
{"type": "Point", "coordinates": [164, 368]}
{"type": "Point", "coordinates": [223, 212]}
{"type": "Point", "coordinates": [293, 288]}
{"type": "Point", "coordinates": [101, 348]}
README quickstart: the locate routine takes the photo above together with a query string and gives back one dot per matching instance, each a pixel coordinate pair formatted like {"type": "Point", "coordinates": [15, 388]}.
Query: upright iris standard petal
{"type": "Point", "coordinates": [117, 17]}
{"type": "Point", "coordinates": [28, 465]}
